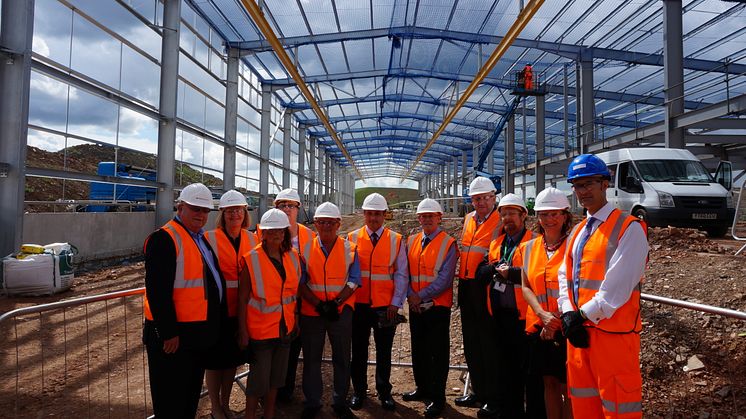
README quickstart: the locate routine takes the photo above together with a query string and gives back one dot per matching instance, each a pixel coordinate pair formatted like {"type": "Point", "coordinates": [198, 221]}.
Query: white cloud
{"type": "Point", "coordinates": [386, 182]}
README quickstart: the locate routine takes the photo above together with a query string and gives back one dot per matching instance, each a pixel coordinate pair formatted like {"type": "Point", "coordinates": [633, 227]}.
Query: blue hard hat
{"type": "Point", "coordinates": [587, 165]}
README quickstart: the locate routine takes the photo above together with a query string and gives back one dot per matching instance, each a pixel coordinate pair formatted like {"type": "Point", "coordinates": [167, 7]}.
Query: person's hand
{"type": "Point", "coordinates": [502, 270]}
{"type": "Point", "coordinates": [546, 334]}
{"type": "Point", "coordinates": [545, 317]}
{"type": "Point", "coordinates": [391, 312]}
{"type": "Point", "coordinates": [414, 301]}
{"type": "Point", "coordinates": [573, 329]}
{"type": "Point", "coordinates": [243, 339]}
{"type": "Point", "coordinates": [171, 345]}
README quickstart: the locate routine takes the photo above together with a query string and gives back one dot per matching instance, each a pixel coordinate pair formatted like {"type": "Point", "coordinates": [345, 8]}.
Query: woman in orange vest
{"type": "Point", "coordinates": [267, 310]}
{"type": "Point", "coordinates": [542, 257]}
{"type": "Point", "coordinates": [229, 241]}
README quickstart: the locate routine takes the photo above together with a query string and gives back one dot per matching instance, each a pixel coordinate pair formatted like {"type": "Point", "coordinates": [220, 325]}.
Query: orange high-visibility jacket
{"type": "Point", "coordinates": [424, 265]}
{"type": "Point", "coordinates": [597, 253]}
{"type": "Point", "coordinates": [377, 266]}
{"type": "Point", "coordinates": [305, 235]}
{"type": "Point", "coordinates": [190, 291]}
{"type": "Point", "coordinates": [475, 242]}
{"type": "Point", "coordinates": [228, 259]}
{"type": "Point", "coordinates": [494, 257]}
{"type": "Point", "coordinates": [541, 274]}
{"type": "Point", "coordinates": [327, 276]}
{"type": "Point", "coordinates": [271, 299]}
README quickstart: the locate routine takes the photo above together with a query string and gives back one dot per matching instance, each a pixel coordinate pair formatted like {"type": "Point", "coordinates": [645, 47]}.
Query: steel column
{"type": "Point", "coordinates": [302, 164]}
{"type": "Point", "coordinates": [587, 109]}
{"type": "Point", "coordinates": [312, 173]}
{"type": "Point", "coordinates": [287, 124]}
{"type": "Point", "coordinates": [15, 77]}
{"type": "Point", "coordinates": [464, 171]}
{"type": "Point", "coordinates": [166, 161]}
{"type": "Point", "coordinates": [509, 160]}
{"type": "Point", "coordinates": [540, 170]}
{"type": "Point", "coordinates": [266, 115]}
{"type": "Point", "coordinates": [673, 70]}
{"type": "Point", "coordinates": [231, 118]}
{"type": "Point", "coordinates": [455, 182]}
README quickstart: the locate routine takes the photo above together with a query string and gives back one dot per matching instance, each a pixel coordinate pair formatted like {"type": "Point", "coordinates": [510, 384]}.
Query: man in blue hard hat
{"type": "Point", "coordinates": [599, 297]}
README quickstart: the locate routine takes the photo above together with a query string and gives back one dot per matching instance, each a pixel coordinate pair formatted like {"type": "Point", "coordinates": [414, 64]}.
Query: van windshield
{"type": "Point", "coordinates": [673, 171]}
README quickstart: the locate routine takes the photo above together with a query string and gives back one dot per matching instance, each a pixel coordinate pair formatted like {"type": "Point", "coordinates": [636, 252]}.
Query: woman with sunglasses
{"type": "Point", "coordinates": [267, 310]}
{"type": "Point", "coordinates": [229, 241]}
{"type": "Point", "coordinates": [541, 259]}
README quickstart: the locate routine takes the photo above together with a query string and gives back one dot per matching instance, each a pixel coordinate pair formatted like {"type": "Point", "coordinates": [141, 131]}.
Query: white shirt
{"type": "Point", "coordinates": [624, 272]}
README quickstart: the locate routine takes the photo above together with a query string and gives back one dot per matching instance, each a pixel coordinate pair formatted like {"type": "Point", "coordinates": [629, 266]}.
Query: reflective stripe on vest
{"type": "Point", "coordinates": [495, 254]}
{"type": "Point", "coordinates": [596, 256]}
{"type": "Point", "coordinates": [271, 299]}
{"type": "Point", "coordinates": [228, 259]}
{"type": "Point", "coordinates": [475, 242]}
{"type": "Point", "coordinates": [190, 293]}
{"type": "Point", "coordinates": [541, 275]}
{"type": "Point", "coordinates": [377, 271]}
{"type": "Point", "coordinates": [425, 264]}
{"type": "Point", "coordinates": [327, 275]}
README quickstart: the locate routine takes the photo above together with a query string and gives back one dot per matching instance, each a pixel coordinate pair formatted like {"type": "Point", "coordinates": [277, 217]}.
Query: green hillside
{"type": "Point", "coordinates": [392, 195]}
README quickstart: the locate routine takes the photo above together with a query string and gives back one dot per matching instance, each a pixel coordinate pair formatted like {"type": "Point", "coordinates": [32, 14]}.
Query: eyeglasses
{"type": "Point", "coordinates": [234, 210]}
{"type": "Point", "coordinates": [325, 223]}
{"type": "Point", "coordinates": [197, 209]}
{"type": "Point", "coordinates": [287, 206]}
{"type": "Point", "coordinates": [483, 198]}
{"type": "Point", "coordinates": [585, 186]}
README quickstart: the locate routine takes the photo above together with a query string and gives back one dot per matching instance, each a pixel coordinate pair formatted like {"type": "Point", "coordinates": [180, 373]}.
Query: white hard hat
{"type": "Point", "coordinates": [327, 210]}
{"type": "Point", "coordinates": [429, 205]}
{"type": "Point", "coordinates": [196, 194]}
{"type": "Point", "coordinates": [274, 219]}
{"type": "Point", "coordinates": [232, 198]}
{"type": "Point", "coordinates": [375, 202]}
{"type": "Point", "coordinates": [287, 195]}
{"type": "Point", "coordinates": [551, 199]}
{"type": "Point", "coordinates": [512, 200]}
{"type": "Point", "coordinates": [480, 185]}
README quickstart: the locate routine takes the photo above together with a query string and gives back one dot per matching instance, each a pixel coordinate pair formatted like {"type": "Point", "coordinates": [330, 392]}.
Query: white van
{"type": "Point", "coordinates": [669, 186]}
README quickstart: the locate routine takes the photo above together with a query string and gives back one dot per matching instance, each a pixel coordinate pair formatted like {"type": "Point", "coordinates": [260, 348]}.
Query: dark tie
{"type": "Point", "coordinates": [578, 256]}
{"type": "Point", "coordinates": [374, 239]}
{"type": "Point", "coordinates": [425, 242]}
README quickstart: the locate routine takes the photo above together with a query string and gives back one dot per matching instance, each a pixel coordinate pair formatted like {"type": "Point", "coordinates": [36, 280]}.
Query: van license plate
{"type": "Point", "coordinates": [697, 216]}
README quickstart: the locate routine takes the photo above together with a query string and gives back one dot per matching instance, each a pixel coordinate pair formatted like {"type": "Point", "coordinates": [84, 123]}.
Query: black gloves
{"type": "Point", "coordinates": [328, 310]}
{"type": "Point", "coordinates": [572, 328]}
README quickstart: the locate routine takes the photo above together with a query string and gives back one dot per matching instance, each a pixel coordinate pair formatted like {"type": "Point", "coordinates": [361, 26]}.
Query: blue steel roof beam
{"type": "Point", "coordinates": [454, 134]}
{"type": "Point", "coordinates": [496, 109]}
{"type": "Point", "coordinates": [397, 142]}
{"type": "Point", "coordinates": [490, 81]}
{"type": "Point", "coordinates": [565, 50]}
{"type": "Point", "coordinates": [483, 125]}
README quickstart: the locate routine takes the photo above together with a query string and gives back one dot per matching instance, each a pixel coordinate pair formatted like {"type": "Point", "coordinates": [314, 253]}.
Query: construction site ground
{"type": "Point", "coordinates": [693, 364]}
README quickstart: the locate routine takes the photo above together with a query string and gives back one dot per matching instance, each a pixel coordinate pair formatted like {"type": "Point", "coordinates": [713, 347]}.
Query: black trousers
{"type": "Point", "coordinates": [480, 339]}
{"type": "Point", "coordinates": [175, 379]}
{"type": "Point", "coordinates": [431, 350]}
{"type": "Point", "coordinates": [365, 318]}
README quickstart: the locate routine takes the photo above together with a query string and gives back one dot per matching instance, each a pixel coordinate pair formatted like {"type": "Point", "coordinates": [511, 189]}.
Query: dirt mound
{"type": "Point", "coordinates": [682, 239]}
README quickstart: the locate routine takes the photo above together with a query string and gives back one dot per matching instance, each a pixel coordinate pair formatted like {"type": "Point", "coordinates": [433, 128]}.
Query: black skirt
{"type": "Point", "coordinates": [225, 353]}
{"type": "Point", "coordinates": [547, 357]}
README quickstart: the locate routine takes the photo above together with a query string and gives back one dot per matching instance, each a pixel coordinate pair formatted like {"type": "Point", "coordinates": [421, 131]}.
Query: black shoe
{"type": "Point", "coordinates": [470, 400]}
{"type": "Point", "coordinates": [434, 410]}
{"type": "Point", "coordinates": [356, 402]}
{"type": "Point", "coordinates": [489, 410]}
{"type": "Point", "coordinates": [310, 412]}
{"type": "Point", "coordinates": [284, 396]}
{"type": "Point", "coordinates": [414, 396]}
{"type": "Point", "coordinates": [387, 402]}
{"type": "Point", "coordinates": [343, 411]}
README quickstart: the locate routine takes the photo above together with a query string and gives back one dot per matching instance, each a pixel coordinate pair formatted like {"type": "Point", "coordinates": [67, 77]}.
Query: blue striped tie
{"type": "Point", "coordinates": [578, 256]}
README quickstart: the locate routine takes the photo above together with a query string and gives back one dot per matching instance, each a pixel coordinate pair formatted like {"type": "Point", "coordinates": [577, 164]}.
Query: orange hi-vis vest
{"type": "Point", "coordinates": [190, 290]}
{"type": "Point", "coordinates": [597, 253]}
{"type": "Point", "coordinates": [377, 266]}
{"type": "Point", "coordinates": [425, 264]}
{"type": "Point", "coordinates": [327, 276]}
{"type": "Point", "coordinates": [475, 242]}
{"type": "Point", "coordinates": [541, 274]}
{"type": "Point", "coordinates": [494, 257]}
{"type": "Point", "coordinates": [305, 235]}
{"type": "Point", "coordinates": [271, 300]}
{"type": "Point", "coordinates": [228, 259]}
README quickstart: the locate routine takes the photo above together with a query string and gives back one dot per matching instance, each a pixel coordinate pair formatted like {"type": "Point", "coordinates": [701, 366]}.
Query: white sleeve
{"type": "Point", "coordinates": [563, 301]}
{"type": "Point", "coordinates": [623, 274]}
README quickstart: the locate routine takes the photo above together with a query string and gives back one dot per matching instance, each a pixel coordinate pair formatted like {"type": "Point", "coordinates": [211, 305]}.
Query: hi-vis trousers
{"type": "Point", "coordinates": [604, 379]}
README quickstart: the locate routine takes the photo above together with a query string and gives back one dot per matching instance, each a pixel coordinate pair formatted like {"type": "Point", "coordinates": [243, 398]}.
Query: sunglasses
{"type": "Point", "coordinates": [325, 222]}
{"type": "Point", "coordinates": [287, 206]}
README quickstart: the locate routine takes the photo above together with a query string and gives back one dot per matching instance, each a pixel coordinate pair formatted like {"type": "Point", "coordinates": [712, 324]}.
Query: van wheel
{"type": "Point", "coordinates": [641, 214]}
{"type": "Point", "coordinates": [716, 231]}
